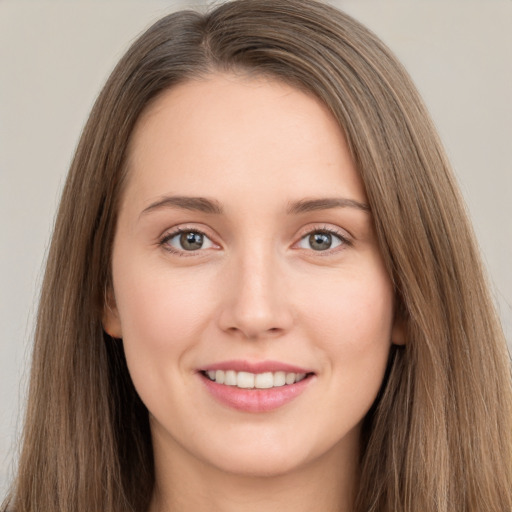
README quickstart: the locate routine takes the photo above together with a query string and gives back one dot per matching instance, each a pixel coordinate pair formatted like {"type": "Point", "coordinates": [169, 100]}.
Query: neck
{"type": "Point", "coordinates": [327, 483]}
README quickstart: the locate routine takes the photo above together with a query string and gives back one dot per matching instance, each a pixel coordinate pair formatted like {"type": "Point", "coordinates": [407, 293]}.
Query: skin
{"type": "Point", "coordinates": [255, 291]}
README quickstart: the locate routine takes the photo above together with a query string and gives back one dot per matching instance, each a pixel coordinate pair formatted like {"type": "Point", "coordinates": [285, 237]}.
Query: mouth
{"type": "Point", "coordinates": [255, 387]}
{"type": "Point", "coordinates": [248, 380]}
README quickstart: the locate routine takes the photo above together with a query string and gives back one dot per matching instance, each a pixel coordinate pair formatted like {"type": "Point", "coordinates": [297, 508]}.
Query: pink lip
{"type": "Point", "coordinates": [255, 367]}
{"type": "Point", "coordinates": [255, 400]}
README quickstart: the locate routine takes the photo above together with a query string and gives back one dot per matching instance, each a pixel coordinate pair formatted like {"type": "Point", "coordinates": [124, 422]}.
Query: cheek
{"type": "Point", "coordinates": [353, 319]}
{"type": "Point", "coordinates": [161, 316]}
{"type": "Point", "coordinates": [359, 344]}
{"type": "Point", "coordinates": [356, 309]}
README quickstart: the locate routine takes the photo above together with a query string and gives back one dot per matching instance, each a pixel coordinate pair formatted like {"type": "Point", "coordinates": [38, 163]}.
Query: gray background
{"type": "Point", "coordinates": [55, 55]}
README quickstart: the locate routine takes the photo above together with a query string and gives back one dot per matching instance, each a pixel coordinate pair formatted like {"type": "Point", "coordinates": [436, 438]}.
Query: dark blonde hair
{"type": "Point", "coordinates": [438, 438]}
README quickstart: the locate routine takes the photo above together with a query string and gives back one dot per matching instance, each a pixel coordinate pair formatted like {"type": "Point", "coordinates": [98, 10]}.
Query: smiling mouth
{"type": "Point", "coordinates": [247, 380]}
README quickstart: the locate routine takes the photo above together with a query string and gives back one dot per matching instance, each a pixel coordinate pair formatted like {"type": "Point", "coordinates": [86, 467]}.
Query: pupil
{"type": "Point", "coordinates": [191, 241]}
{"type": "Point", "coordinates": [320, 241]}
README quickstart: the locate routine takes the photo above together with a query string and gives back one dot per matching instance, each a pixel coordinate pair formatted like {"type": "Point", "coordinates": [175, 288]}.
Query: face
{"type": "Point", "coordinates": [248, 288]}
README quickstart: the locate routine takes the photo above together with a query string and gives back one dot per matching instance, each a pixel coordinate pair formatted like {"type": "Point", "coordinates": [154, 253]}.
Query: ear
{"type": "Point", "coordinates": [111, 322]}
{"type": "Point", "coordinates": [399, 329]}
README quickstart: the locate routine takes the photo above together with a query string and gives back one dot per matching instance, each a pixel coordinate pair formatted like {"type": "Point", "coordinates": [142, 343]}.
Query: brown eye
{"type": "Point", "coordinates": [187, 240]}
{"type": "Point", "coordinates": [322, 241]}
{"type": "Point", "coordinates": [191, 240]}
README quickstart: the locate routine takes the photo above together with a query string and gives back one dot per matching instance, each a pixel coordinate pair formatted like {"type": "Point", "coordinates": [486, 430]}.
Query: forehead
{"type": "Point", "coordinates": [229, 133]}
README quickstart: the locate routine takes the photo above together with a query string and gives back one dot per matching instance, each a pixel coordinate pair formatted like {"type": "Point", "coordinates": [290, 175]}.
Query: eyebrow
{"type": "Point", "coordinates": [309, 205]}
{"type": "Point", "coordinates": [197, 204]}
{"type": "Point", "coordinates": [211, 206]}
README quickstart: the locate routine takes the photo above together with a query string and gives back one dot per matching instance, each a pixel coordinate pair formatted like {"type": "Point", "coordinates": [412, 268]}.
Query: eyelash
{"type": "Point", "coordinates": [345, 241]}
{"type": "Point", "coordinates": [163, 242]}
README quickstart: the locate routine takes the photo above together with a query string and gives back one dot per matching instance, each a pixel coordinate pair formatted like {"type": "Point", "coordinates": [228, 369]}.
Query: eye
{"type": "Point", "coordinates": [321, 240]}
{"type": "Point", "coordinates": [186, 240]}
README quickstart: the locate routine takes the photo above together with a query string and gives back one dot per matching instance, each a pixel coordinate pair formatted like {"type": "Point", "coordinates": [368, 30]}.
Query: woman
{"type": "Point", "coordinates": [262, 290]}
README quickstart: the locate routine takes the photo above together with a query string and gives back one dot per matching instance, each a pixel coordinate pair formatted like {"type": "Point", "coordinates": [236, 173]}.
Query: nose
{"type": "Point", "coordinates": [256, 301]}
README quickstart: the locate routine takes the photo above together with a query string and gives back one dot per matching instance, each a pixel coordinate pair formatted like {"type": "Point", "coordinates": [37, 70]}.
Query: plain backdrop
{"type": "Point", "coordinates": [55, 56]}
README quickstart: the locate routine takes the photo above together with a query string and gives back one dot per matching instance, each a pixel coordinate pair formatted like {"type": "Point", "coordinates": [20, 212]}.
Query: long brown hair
{"type": "Point", "coordinates": [438, 438]}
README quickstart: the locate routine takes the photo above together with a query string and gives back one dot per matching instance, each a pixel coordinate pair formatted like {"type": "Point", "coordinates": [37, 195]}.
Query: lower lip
{"type": "Point", "coordinates": [255, 400]}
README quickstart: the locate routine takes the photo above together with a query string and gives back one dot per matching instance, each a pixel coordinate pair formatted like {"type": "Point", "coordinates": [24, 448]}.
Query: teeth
{"type": "Point", "coordinates": [279, 379]}
{"type": "Point", "coordinates": [264, 380]}
{"type": "Point", "coordinates": [246, 380]}
{"type": "Point", "coordinates": [230, 378]}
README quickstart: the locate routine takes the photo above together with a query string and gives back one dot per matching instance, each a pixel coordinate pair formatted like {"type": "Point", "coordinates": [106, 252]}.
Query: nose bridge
{"type": "Point", "coordinates": [257, 304]}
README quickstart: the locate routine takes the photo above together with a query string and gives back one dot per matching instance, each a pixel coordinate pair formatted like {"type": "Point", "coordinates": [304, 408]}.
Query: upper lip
{"type": "Point", "coordinates": [255, 367]}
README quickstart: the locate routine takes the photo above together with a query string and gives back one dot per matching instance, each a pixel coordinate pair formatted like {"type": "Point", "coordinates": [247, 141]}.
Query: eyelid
{"type": "Point", "coordinates": [170, 233]}
{"type": "Point", "coordinates": [343, 235]}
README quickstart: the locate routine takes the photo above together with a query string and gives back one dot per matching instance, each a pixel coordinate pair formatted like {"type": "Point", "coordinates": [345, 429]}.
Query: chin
{"type": "Point", "coordinates": [264, 453]}
{"type": "Point", "coordinates": [259, 464]}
